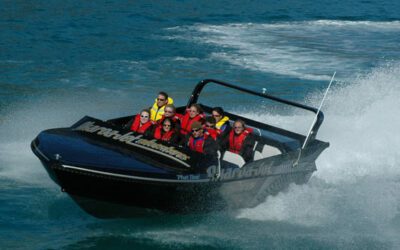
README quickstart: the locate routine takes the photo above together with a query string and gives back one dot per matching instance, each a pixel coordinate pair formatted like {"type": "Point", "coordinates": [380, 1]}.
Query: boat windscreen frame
{"type": "Point", "coordinates": [199, 87]}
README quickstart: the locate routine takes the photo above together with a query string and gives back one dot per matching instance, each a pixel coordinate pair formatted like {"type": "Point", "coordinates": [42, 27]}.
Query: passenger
{"type": "Point", "coordinates": [141, 123]}
{"type": "Point", "coordinates": [194, 113]}
{"type": "Point", "coordinates": [240, 140]}
{"type": "Point", "coordinates": [166, 131]}
{"type": "Point", "coordinates": [222, 121]}
{"type": "Point", "coordinates": [202, 142]}
{"type": "Point", "coordinates": [170, 112]}
{"type": "Point", "coordinates": [209, 126]}
{"type": "Point", "coordinates": [157, 110]}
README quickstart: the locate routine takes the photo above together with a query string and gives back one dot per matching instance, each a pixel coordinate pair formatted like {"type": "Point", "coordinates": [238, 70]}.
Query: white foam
{"type": "Point", "coordinates": [180, 236]}
{"type": "Point", "coordinates": [268, 61]}
{"type": "Point", "coordinates": [358, 177]}
{"type": "Point", "coordinates": [362, 121]}
{"type": "Point", "coordinates": [305, 205]}
{"type": "Point", "coordinates": [390, 25]}
{"type": "Point", "coordinates": [19, 164]}
{"type": "Point", "coordinates": [308, 50]}
{"type": "Point", "coordinates": [186, 59]}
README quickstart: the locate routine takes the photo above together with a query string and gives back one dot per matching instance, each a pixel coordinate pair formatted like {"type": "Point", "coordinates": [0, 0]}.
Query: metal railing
{"type": "Point", "coordinates": [199, 87]}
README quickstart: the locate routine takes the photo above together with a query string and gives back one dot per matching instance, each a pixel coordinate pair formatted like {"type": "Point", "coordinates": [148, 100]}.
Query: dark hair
{"type": "Point", "coordinates": [170, 121]}
{"type": "Point", "coordinates": [198, 107]}
{"type": "Point", "coordinates": [211, 119]}
{"type": "Point", "coordinates": [163, 94]}
{"type": "Point", "coordinates": [219, 110]}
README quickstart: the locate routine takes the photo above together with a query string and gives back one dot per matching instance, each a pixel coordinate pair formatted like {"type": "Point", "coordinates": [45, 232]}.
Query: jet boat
{"type": "Point", "coordinates": [103, 164]}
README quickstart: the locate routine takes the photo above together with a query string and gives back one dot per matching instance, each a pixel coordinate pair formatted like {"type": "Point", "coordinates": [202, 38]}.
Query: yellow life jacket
{"type": "Point", "coordinates": [156, 113]}
{"type": "Point", "coordinates": [221, 122]}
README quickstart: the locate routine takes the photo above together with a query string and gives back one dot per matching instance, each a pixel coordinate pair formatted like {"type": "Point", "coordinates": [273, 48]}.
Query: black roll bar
{"type": "Point", "coordinates": [199, 87]}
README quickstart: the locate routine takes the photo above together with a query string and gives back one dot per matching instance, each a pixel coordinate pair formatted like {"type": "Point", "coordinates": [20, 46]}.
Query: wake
{"type": "Point", "coordinates": [294, 49]}
{"type": "Point", "coordinates": [358, 177]}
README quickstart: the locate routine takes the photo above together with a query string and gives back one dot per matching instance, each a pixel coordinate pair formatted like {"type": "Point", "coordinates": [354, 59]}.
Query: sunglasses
{"type": "Point", "coordinates": [144, 116]}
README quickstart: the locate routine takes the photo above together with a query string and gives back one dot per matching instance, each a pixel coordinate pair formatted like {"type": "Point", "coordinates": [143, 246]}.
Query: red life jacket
{"type": "Point", "coordinates": [236, 141]}
{"type": "Point", "coordinates": [163, 136]}
{"type": "Point", "coordinates": [175, 118]}
{"type": "Point", "coordinates": [198, 145]}
{"type": "Point", "coordinates": [136, 125]}
{"type": "Point", "coordinates": [186, 122]}
{"type": "Point", "coordinates": [179, 116]}
{"type": "Point", "coordinates": [214, 132]}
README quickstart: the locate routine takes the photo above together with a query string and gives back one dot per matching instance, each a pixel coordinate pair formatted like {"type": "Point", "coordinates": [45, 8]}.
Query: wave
{"type": "Point", "coordinates": [186, 59]}
{"type": "Point", "coordinates": [392, 25]}
{"type": "Point", "coordinates": [19, 165]}
{"type": "Point", "coordinates": [362, 120]}
{"type": "Point", "coordinates": [358, 176]}
{"type": "Point", "coordinates": [15, 62]}
{"type": "Point", "coordinates": [307, 50]}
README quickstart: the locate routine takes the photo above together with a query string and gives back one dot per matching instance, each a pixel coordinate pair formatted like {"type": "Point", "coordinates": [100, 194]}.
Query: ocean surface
{"type": "Point", "coordinates": [61, 60]}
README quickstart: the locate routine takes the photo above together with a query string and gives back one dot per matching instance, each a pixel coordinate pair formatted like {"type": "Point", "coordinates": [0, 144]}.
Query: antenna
{"type": "Point", "coordinates": [315, 119]}
{"type": "Point", "coordinates": [319, 109]}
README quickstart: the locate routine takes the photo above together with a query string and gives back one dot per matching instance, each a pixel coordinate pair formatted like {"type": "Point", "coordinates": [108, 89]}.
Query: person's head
{"type": "Point", "coordinates": [239, 126]}
{"type": "Point", "coordinates": [210, 122]}
{"type": "Point", "coordinates": [194, 110]}
{"type": "Point", "coordinates": [144, 116]}
{"type": "Point", "coordinates": [167, 125]}
{"type": "Point", "coordinates": [169, 110]}
{"type": "Point", "coordinates": [162, 99]}
{"type": "Point", "coordinates": [197, 129]}
{"type": "Point", "coordinates": [217, 113]}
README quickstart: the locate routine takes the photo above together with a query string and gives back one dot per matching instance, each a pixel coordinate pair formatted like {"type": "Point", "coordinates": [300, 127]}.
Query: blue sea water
{"type": "Point", "coordinates": [61, 60]}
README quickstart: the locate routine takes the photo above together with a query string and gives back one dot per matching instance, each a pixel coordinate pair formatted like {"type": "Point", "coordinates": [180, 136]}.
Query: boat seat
{"type": "Point", "coordinates": [234, 159]}
{"type": "Point", "coordinates": [257, 155]}
{"type": "Point", "coordinates": [266, 152]}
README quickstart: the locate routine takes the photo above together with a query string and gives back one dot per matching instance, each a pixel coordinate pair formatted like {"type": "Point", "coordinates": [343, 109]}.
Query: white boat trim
{"type": "Point", "coordinates": [133, 177]}
{"type": "Point", "coordinates": [40, 152]}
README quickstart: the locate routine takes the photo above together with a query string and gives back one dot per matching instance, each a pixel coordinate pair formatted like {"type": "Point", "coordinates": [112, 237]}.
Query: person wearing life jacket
{"type": "Point", "coordinates": [202, 142]}
{"type": "Point", "coordinates": [222, 121]}
{"type": "Point", "coordinates": [194, 113]}
{"type": "Point", "coordinates": [170, 112]}
{"type": "Point", "coordinates": [209, 127]}
{"type": "Point", "coordinates": [141, 122]}
{"type": "Point", "coordinates": [166, 131]}
{"type": "Point", "coordinates": [157, 110]}
{"type": "Point", "coordinates": [240, 140]}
